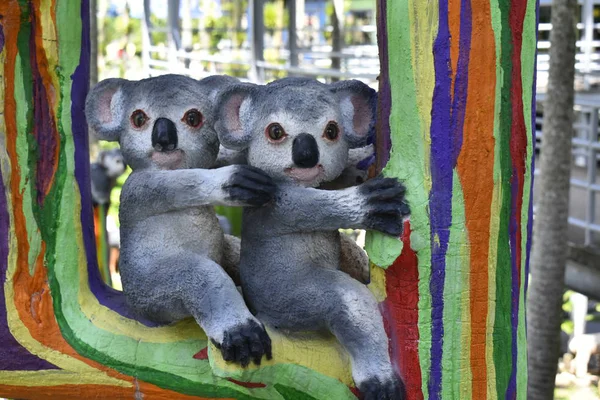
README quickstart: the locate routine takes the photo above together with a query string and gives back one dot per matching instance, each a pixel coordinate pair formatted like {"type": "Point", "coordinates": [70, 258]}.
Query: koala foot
{"type": "Point", "coordinates": [386, 205]}
{"type": "Point", "coordinates": [391, 389]}
{"type": "Point", "coordinates": [249, 186]}
{"type": "Point", "coordinates": [245, 342]}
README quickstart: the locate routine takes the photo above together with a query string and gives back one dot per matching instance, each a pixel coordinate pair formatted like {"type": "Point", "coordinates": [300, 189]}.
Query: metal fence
{"type": "Point", "coordinates": [586, 155]}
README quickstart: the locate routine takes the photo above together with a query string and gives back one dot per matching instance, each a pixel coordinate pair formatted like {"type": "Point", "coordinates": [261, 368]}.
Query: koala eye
{"type": "Point", "coordinates": [139, 118]}
{"type": "Point", "coordinates": [275, 132]}
{"type": "Point", "coordinates": [193, 118]}
{"type": "Point", "coordinates": [332, 131]}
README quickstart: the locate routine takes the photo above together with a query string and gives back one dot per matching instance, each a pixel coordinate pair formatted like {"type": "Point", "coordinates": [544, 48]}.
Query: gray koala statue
{"type": "Point", "coordinates": [299, 132]}
{"type": "Point", "coordinates": [172, 246]}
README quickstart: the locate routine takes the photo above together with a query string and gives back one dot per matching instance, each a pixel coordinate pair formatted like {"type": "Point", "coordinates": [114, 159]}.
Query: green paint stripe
{"type": "Point", "coordinates": [456, 298]}
{"type": "Point", "coordinates": [502, 323]}
{"type": "Point", "coordinates": [495, 222]}
{"type": "Point", "coordinates": [527, 70]}
{"type": "Point", "coordinates": [26, 146]}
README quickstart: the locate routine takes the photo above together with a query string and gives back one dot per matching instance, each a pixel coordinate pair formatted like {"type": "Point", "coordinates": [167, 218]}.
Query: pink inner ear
{"type": "Point", "coordinates": [362, 115]}
{"type": "Point", "coordinates": [232, 113]}
{"type": "Point", "coordinates": [104, 102]}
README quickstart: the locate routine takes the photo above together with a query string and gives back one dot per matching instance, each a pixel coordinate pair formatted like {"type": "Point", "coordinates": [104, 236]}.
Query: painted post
{"type": "Point", "coordinates": [458, 81]}
{"type": "Point", "coordinates": [456, 95]}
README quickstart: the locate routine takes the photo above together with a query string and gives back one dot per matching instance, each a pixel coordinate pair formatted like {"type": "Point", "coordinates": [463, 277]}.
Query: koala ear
{"type": "Point", "coordinates": [231, 104]}
{"type": "Point", "coordinates": [104, 108]}
{"type": "Point", "coordinates": [358, 104]}
{"type": "Point", "coordinates": [215, 84]}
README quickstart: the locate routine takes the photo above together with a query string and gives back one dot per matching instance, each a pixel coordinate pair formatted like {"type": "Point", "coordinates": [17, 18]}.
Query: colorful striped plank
{"type": "Point", "coordinates": [456, 95]}
{"type": "Point", "coordinates": [462, 136]}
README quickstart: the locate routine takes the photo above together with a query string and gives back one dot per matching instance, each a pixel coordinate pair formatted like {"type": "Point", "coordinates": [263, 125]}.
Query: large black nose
{"type": "Point", "coordinates": [164, 135]}
{"type": "Point", "coordinates": [305, 151]}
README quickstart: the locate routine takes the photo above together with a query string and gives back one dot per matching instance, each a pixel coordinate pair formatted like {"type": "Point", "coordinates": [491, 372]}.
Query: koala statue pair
{"type": "Point", "coordinates": [294, 137]}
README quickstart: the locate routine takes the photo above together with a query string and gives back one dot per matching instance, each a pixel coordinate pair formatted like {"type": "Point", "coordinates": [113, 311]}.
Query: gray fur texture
{"type": "Point", "coordinates": [290, 256]}
{"type": "Point", "coordinates": [171, 241]}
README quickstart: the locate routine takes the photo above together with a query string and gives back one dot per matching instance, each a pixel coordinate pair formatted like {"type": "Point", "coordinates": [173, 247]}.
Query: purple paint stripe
{"type": "Point", "coordinates": [13, 356]}
{"type": "Point", "coordinates": [1, 34]}
{"type": "Point", "coordinates": [106, 295]}
{"type": "Point", "coordinates": [383, 144]}
{"type": "Point", "coordinates": [440, 197]}
{"type": "Point", "coordinates": [45, 127]}
{"type": "Point", "coordinates": [461, 83]}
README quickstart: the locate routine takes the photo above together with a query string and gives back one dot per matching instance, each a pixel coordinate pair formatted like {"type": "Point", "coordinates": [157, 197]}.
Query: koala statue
{"type": "Point", "coordinates": [104, 174]}
{"type": "Point", "coordinates": [172, 246]}
{"type": "Point", "coordinates": [299, 132]}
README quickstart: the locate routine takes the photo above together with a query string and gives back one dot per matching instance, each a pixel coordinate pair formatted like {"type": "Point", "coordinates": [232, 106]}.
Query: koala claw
{"type": "Point", "coordinates": [386, 205]}
{"type": "Point", "coordinates": [374, 389]}
{"type": "Point", "coordinates": [249, 186]}
{"type": "Point", "coordinates": [246, 342]}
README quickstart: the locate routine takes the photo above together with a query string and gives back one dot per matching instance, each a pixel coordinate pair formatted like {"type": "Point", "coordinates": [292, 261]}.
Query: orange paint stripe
{"type": "Point", "coordinates": [475, 168]}
{"type": "Point", "coordinates": [454, 26]}
{"type": "Point", "coordinates": [77, 392]}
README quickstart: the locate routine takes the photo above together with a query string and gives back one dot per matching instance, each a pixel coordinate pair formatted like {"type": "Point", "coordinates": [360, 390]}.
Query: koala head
{"type": "Point", "coordinates": [112, 162]}
{"type": "Point", "coordinates": [296, 129]}
{"type": "Point", "coordinates": [164, 122]}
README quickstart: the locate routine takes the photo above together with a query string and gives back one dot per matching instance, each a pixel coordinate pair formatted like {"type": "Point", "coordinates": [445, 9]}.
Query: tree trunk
{"type": "Point", "coordinates": [337, 35]}
{"type": "Point", "coordinates": [550, 245]}
{"type": "Point", "coordinates": [456, 103]}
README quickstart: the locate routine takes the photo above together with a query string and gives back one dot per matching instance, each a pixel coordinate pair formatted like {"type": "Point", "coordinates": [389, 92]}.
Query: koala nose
{"type": "Point", "coordinates": [164, 135]}
{"type": "Point", "coordinates": [305, 151]}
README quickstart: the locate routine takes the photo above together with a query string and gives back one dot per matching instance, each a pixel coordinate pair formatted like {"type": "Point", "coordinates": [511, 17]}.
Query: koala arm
{"type": "Point", "coordinates": [377, 204]}
{"type": "Point", "coordinates": [152, 192]}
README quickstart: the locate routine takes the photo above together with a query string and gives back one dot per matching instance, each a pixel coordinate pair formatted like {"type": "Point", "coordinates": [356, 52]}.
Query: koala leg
{"type": "Point", "coordinates": [231, 257]}
{"type": "Point", "coordinates": [173, 288]}
{"type": "Point", "coordinates": [354, 260]}
{"type": "Point", "coordinates": [358, 325]}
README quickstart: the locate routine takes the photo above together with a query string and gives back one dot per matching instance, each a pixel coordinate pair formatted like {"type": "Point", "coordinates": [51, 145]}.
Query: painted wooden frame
{"type": "Point", "coordinates": [456, 123]}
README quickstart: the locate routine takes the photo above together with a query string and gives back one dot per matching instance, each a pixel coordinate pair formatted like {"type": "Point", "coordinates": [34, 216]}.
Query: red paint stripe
{"type": "Point", "coordinates": [249, 385]}
{"type": "Point", "coordinates": [401, 316]}
{"type": "Point", "coordinates": [202, 354]}
{"type": "Point", "coordinates": [518, 137]}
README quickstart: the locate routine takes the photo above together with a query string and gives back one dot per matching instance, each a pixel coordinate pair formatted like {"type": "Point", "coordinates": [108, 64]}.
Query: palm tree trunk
{"type": "Point", "coordinates": [549, 243]}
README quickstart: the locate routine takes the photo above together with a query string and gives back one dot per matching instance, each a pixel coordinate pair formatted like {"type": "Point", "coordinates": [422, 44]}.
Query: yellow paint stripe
{"type": "Point", "coordinates": [492, 262]}
{"type": "Point", "coordinates": [323, 354]}
{"type": "Point", "coordinates": [424, 22]}
{"type": "Point", "coordinates": [55, 378]}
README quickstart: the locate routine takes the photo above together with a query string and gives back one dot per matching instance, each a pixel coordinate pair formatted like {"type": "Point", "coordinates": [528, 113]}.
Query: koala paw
{"type": "Point", "coordinates": [385, 204]}
{"type": "Point", "coordinates": [249, 186]}
{"type": "Point", "coordinates": [391, 389]}
{"type": "Point", "coordinates": [245, 342]}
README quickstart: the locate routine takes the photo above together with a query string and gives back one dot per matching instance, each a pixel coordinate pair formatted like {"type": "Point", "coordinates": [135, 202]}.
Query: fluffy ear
{"type": "Point", "coordinates": [231, 104]}
{"type": "Point", "coordinates": [358, 103]}
{"type": "Point", "coordinates": [104, 108]}
{"type": "Point", "coordinates": [215, 84]}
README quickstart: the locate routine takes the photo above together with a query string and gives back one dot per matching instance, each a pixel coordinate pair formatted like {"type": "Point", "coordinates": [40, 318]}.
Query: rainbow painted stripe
{"type": "Point", "coordinates": [453, 298]}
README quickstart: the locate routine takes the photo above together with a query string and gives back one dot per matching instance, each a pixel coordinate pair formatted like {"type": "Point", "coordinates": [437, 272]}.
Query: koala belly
{"type": "Point", "coordinates": [168, 236]}
{"type": "Point", "coordinates": [287, 280]}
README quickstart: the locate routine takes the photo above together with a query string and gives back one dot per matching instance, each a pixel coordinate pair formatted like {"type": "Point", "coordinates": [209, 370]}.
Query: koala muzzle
{"type": "Point", "coordinates": [305, 151]}
{"type": "Point", "coordinates": [164, 135]}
